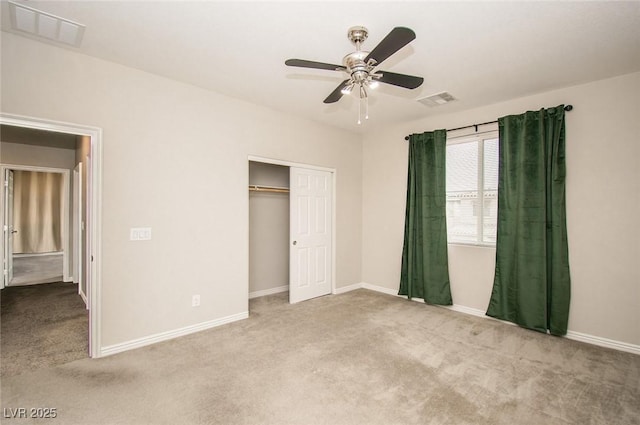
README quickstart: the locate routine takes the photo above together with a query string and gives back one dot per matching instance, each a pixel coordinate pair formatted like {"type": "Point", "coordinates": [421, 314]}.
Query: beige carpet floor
{"type": "Point", "coordinates": [356, 358]}
{"type": "Point", "coordinates": [41, 326]}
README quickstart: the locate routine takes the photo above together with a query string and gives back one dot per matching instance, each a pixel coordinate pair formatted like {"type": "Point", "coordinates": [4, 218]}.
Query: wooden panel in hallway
{"type": "Point", "coordinates": [35, 269]}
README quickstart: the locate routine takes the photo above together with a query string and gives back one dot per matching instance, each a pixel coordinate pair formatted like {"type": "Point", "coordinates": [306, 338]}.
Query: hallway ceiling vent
{"type": "Point", "coordinates": [45, 25]}
{"type": "Point", "coordinates": [437, 99]}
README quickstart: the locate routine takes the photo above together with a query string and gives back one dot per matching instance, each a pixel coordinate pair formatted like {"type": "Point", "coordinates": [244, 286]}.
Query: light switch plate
{"type": "Point", "coordinates": [140, 234]}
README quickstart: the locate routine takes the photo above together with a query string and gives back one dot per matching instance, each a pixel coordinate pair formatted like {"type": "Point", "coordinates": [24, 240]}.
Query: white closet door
{"type": "Point", "coordinates": [310, 234]}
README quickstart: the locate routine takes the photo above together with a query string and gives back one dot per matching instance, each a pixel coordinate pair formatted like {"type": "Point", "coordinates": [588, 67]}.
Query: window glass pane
{"type": "Point", "coordinates": [490, 175]}
{"type": "Point", "coordinates": [462, 167]}
{"type": "Point", "coordinates": [462, 192]}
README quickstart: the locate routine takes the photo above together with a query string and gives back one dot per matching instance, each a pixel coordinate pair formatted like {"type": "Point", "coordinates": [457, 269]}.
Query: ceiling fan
{"type": "Point", "coordinates": [360, 65]}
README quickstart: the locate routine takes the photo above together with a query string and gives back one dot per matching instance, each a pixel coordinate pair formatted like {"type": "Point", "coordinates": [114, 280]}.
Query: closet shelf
{"type": "Point", "coordinates": [272, 189]}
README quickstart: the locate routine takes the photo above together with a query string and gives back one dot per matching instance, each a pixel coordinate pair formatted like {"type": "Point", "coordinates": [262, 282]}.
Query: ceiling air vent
{"type": "Point", "coordinates": [437, 99]}
{"type": "Point", "coordinates": [41, 24]}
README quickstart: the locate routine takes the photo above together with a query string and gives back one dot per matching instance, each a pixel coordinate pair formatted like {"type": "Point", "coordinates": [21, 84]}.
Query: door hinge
{"type": "Point", "coordinates": [5, 227]}
{"type": "Point", "coordinates": [6, 183]}
{"type": "Point", "coordinates": [6, 272]}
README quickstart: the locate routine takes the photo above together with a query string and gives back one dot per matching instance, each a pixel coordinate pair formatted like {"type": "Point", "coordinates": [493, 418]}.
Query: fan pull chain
{"type": "Point", "coordinates": [363, 98]}
{"type": "Point", "coordinates": [366, 113]}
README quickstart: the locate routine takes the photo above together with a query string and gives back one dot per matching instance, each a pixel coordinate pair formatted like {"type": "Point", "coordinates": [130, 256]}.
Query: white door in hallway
{"type": "Point", "coordinates": [8, 230]}
{"type": "Point", "coordinates": [310, 268]}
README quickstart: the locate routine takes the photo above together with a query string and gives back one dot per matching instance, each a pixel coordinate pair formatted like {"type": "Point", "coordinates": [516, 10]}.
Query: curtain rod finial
{"type": "Point", "coordinates": [568, 108]}
{"type": "Point", "coordinates": [406, 137]}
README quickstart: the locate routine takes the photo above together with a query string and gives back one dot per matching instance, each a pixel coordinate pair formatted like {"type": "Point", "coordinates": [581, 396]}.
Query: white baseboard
{"type": "Point", "coordinates": [455, 307]}
{"type": "Point", "coordinates": [382, 289]}
{"type": "Point", "coordinates": [164, 336]}
{"type": "Point", "coordinates": [603, 342]}
{"type": "Point", "coordinates": [577, 336]}
{"type": "Point", "coordinates": [269, 291]}
{"type": "Point", "coordinates": [466, 310]}
{"type": "Point", "coordinates": [84, 298]}
{"type": "Point", "coordinates": [349, 288]}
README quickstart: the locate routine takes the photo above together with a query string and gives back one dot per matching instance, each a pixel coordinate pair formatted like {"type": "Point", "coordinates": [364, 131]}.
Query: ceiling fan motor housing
{"type": "Point", "coordinates": [356, 66]}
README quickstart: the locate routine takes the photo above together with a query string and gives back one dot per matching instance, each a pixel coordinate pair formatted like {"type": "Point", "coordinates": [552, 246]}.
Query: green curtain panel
{"type": "Point", "coordinates": [531, 285]}
{"type": "Point", "coordinates": [425, 268]}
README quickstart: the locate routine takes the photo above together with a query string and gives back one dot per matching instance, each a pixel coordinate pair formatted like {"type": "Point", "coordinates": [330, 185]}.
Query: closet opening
{"type": "Point", "coordinates": [291, 230]}
{"type": "Point", "coordinates": [268, 230]}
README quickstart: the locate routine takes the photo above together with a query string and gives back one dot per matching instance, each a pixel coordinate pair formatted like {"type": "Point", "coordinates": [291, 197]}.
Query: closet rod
{"type": "Point", "coordinates": [256, 188]}
{"type": "Point", "coordinates": [566, 108]}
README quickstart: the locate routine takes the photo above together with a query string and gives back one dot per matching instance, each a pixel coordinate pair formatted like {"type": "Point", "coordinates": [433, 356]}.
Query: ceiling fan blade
{"type": "Point", "coordinates": [400, 80]}
{"type": "Point", "coordinates": [311, 64]}
{"type": "Point", "coordinates": [337, 93]}
{"type": "Point", "coordinates": [394, 41]}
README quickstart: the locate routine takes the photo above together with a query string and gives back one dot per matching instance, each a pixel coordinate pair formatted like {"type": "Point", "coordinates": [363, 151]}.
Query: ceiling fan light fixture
{"type": "Point", "coordinates": [347, 89]}
{"type": "Point", "coordinates": [363, 92]}
{"type": "Point", "coordinates": [373, 84]}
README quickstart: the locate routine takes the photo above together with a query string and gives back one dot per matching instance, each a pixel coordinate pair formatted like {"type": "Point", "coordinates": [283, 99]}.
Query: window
{"type": "Point", "coordinates": [472, 189]}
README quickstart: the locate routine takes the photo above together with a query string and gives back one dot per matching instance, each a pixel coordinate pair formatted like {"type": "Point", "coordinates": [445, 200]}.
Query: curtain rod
{"type": "Point", "coordinates": [566, 108]}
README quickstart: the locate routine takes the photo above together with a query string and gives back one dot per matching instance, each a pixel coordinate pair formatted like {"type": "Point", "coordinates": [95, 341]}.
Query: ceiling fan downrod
{"type": "Point", "coordinates": [358, 69]}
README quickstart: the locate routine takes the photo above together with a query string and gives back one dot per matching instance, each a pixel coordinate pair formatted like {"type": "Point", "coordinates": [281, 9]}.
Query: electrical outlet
{"type": "Point", "coordinates": [195, 301]}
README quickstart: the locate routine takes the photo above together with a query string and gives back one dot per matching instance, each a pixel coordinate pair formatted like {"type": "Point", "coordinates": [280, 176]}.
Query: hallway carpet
{"type": "Point", "coordinates": [41, 326]}
{"type": "Point", "coordinates": [360, 358]}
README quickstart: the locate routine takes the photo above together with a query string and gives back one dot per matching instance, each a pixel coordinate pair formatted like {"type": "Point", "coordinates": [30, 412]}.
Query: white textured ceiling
{"type": "Point", "coordinates": [481, 52]}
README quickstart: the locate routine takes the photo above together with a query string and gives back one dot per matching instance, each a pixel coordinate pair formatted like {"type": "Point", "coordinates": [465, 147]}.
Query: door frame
{"type": "Point", "coordinates": [94, 217]}
{"type": "Point", "coordinates": [76, 227]}
{"type": "Point", "coordinates": [66, 240]}
{"type": "Point", "coordinates": [7, 227]}
{"type": "Point", "coordinates": [334, 178]}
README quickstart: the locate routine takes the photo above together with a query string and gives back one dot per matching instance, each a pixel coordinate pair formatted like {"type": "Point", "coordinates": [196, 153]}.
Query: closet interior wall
{"type": "Point", "coordinates": [268, 230]}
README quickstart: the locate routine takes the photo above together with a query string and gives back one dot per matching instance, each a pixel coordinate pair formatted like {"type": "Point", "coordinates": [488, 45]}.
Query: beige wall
{"type": "Point", "coordinates": [175, 158]}
{"type": "Point", "coordinates": [268, 228]}
{"type": "Point", "coordinates": [603, 206]}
